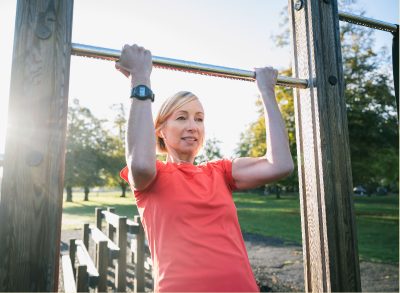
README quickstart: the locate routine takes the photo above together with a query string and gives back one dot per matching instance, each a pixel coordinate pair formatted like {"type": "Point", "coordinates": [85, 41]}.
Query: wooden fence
{"type": "Point", "coordinates": [82, 272]}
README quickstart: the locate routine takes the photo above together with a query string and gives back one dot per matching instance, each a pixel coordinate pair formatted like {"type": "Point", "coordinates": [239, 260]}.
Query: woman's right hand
{"type": "Point", "coordinates": [135, 61]}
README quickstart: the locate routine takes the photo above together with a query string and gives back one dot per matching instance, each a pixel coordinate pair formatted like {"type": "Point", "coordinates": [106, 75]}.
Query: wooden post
{"type": "Point", "coordinates": [120, 269]}
{"type": "Point", "coordinates": [139, 258]}
{"type": "Point", "coordinates": [102, 265]}
{"type": "Point", "coordinates": [110, 227]}
{"type": "Point", "coordinates": [82, 279]}
{"type": "Point", "coordinates": [98, 216]}
{"type": "Point", "coordinates": [32, 188]}
{"type": "Point", "coordinates": [86, 235]}
{"type": "Point", "coordinates": [72, 253]}
{"type": "Point", "coordinates": [328, 221]}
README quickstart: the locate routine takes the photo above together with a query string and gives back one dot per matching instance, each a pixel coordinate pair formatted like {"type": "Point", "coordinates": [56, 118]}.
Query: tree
{"type": "Point", "coordinates": [114, 157]}
{"type": "Point", "coordinates": [371, 106]}
{"type": "Point", "coordinates": [253, 141]}
{"type": "Point", "coordinates": [371, 110]}
{"type": "Point", "coordinates": [210, 151]}
{"type": "Point", "coordinates": [86, 140]}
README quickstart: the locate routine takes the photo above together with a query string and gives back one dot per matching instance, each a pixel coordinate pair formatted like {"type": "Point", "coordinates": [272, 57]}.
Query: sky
{"type": "Point", "coordinates": [230, 33]}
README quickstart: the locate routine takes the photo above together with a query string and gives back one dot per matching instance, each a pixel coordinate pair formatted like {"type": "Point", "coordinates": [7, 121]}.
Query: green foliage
{"type": "Point", "coordinates": [114, 156]}
{"type": "Point", "coordinates": [371, 110]}
{"type": "Point", "coordinates": [253, 141]}
{"type": "Point", "coordinates": [210, 151]}
{"type": "Point", "coordinates": [85, 144]}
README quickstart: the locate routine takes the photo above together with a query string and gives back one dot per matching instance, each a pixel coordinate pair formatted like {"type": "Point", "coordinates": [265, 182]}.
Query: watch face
{"type": "Point", "coordinates": [142, 91]}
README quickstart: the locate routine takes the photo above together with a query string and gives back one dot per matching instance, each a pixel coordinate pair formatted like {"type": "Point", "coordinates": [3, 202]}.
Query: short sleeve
{"type": "Point", "coordinates": [227, 167]}
{"type": "Point", "coordinates": [138, 194]}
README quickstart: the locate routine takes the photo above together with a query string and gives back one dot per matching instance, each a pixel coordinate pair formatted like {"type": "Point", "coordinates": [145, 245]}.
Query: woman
{"type": "Point", "coordinates": [187, 211]}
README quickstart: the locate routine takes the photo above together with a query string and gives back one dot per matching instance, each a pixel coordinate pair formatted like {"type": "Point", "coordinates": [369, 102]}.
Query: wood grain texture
{"type": "Point", "coordinates": [122, 242]}
{"type": "Point", "coordinates": [31, 192]}
{"type": "Point", "coordinates": [82, 279]}
{"type": "Point", "coordinates": [328, 226]}
{"type": "Point", "coordinates": [110, 226]}
{"type": "Point", "coordinates": [68, 275]}
{"type": "Point", "coordinates": [102, 266]}
{"type": "Point", "coordinates": [84, 258]}
{"type": "Point", "coordinates": [139, 281]}
{"type": "Point", "coordinates": [72, 253]}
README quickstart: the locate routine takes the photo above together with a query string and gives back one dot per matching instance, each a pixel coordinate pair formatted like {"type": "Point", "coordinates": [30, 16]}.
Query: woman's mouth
{"type": "Point", "coordinates": [189, 138]}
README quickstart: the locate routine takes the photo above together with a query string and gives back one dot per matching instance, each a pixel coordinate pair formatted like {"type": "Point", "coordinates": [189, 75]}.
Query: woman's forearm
{"type": "Point", "coordinates": [277, 142]}
{"type": "Point", "coordinates": [140, 135]}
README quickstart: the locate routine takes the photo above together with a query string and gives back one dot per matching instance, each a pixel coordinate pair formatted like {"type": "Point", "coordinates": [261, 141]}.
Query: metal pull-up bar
{"type": "Point", "coordinates": [220, 71]}
{"type": "Point", "coordinates": [366, 21]}
{"type": "Point", "coordinates": [186, 66]}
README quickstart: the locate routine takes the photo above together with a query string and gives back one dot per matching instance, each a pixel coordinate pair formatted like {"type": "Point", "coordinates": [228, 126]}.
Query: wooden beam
{"type": "Point", "coordinates": [84, 259]}
{"type": "Point", "coordinates": [32, 187]}
{"type": "Point", "coordinates": [110, 217]}
{"type": "Point", "coordinates": [68, 275]}
{"type": "Point", "coordinates": [102, 265]}
{"type": "Point", "coordinates": [133, 227]}
{"type": "Point", "coordinates": [98, 236]}
{"type": "Point", "coordinates": [99, 217]}
{"type": "Point", "coordinates": [139, 281]}
{"type": "Point", "coordinates": [82, 279]}
{"type": "Point", "coordinates": [328, 222]}
{"type": "Point", "coordinates": [110, 227]}
{"type": "Point", "coordinates": [120, 269]}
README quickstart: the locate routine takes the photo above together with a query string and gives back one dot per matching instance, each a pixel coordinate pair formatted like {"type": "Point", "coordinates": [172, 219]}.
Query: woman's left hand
{"type": "Point", "coordinates": [266, 79]}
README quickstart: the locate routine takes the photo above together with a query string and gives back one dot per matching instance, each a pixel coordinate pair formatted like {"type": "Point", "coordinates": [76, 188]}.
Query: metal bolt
{"type": "Point", "coordinates": [332, 80]}
{"type": "Point", "coordinates": [298, 5]}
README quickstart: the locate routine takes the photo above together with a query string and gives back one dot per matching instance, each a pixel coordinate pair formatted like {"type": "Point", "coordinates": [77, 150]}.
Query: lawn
{"type": "Point", "coordinates": [377, 219]}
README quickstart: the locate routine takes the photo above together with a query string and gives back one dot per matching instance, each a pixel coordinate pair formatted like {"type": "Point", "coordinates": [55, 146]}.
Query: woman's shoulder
{"type": "Point", "coordinates": [222, 163]}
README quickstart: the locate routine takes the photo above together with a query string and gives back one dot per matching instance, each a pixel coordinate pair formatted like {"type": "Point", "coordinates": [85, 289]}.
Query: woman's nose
{"type": "Point", "coordinates": [191, 125]}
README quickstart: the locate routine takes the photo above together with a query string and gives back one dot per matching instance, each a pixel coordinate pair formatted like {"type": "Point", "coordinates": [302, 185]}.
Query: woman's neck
{"type": "Point", "coordinates": [180, 159]}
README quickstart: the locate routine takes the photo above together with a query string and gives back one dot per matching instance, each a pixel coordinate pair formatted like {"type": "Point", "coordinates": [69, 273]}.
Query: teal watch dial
{"type": "Point", "coordinates": [142, 92]}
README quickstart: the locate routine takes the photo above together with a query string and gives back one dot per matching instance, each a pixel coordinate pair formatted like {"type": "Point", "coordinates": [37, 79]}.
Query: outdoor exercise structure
{"type": "Point", "coordinates": [32, 187]}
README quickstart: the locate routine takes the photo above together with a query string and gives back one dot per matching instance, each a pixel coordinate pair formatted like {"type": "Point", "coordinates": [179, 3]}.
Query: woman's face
{"type": "Point", "coordinates": [183, 132]}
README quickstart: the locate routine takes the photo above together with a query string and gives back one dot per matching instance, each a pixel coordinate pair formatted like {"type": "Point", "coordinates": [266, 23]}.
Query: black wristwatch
{"type": "Point", "coordinates": [142, 92]}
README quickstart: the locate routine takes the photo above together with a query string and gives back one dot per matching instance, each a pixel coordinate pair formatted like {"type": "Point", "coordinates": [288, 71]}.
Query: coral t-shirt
{"type": "Point", "coordinates": [193, 231]}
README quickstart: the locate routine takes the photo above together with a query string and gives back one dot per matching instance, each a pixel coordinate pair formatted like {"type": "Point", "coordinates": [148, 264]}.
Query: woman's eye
{"type": "Point", "coordinates": [180, 118]}
{"type": "Point", "coordinates": [200, 119]}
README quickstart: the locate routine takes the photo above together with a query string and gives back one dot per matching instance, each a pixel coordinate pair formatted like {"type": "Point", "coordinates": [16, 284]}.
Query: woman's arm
{"type": "Point", "coordinates": [277, 163]}
{"type": "Point", "coordinates": [140, 142]}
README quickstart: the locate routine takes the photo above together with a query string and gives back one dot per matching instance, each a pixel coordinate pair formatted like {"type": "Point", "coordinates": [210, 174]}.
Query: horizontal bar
{"type": "Point", "coordinates": [186, 66]}
{"type": "Point", "coordinates": [111, 218]}
{"type": "Point", "coordinates": [85, 259]}
{"type": "Point", "coordinates": [366, 21]}
{"type": "Point", "coordinates": [68, 275]}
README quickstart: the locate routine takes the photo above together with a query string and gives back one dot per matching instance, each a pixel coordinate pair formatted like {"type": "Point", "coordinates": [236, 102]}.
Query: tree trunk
{"type": "Point", "coordinates": [69, 193]}
{"type": "Point", "coordinates": [86, 190]}
{"type": "Point", "coordinates": [278, 191]}
{"type": "Point", "coordinates": [123, 188]}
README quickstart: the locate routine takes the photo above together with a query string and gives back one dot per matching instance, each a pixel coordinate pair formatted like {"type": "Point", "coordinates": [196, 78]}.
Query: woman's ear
{"type": "Point", "coordinates": [160, 134]}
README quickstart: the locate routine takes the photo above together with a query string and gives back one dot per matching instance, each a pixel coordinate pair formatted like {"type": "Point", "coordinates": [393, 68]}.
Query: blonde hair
{"type": "Point", "coordinates": [167, 108]}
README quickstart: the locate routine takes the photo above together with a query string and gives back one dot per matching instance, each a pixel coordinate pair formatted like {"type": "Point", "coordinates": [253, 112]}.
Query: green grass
{"type": "Point", "coordinates": [78, 212]}
{"type": "Point", "coordinates": [377, 219]}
